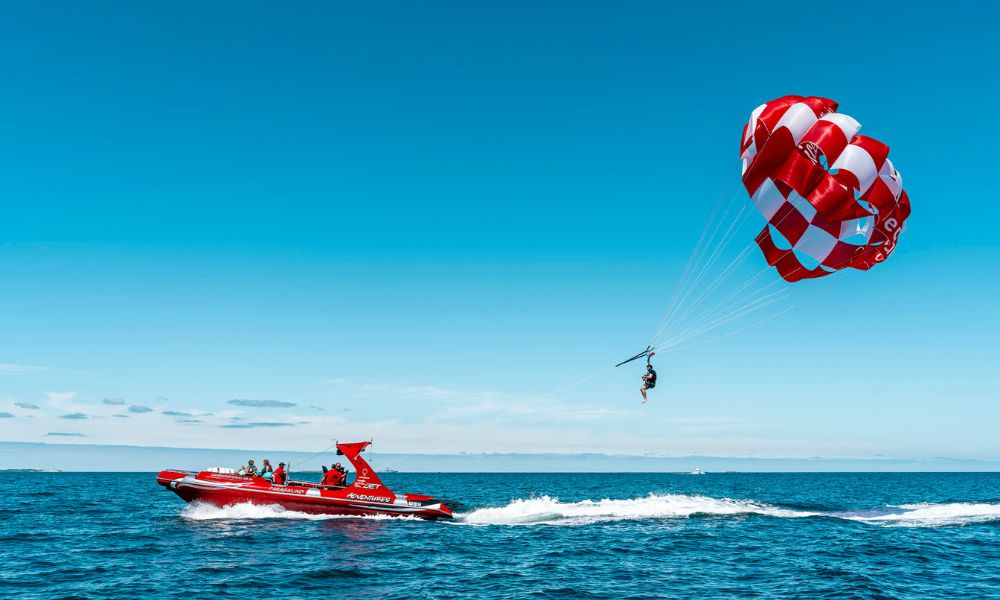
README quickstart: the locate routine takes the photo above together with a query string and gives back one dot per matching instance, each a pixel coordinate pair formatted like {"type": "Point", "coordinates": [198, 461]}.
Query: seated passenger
{"type": "Point", "coordinates": [266, 471]}
{"type": "Point", "coordinates": [279, 475]}
{"type": "Point", "coordinates": [250, 469]}
{"type": "Point", "coordinates": [341, 475]}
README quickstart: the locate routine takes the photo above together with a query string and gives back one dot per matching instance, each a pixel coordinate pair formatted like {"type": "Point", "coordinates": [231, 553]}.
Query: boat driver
{"type": "Point", "coordinates": [341, 475]}
{"type": "Point", "coordinates": [279, 475]}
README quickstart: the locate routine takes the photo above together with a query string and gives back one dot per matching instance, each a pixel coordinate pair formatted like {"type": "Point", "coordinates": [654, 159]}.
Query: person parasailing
{"type": "Point", "coordinates": [649, 379]}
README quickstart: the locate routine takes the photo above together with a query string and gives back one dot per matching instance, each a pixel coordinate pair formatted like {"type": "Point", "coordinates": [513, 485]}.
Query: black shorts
{"type": "Point", "coordinates": [649, 385]}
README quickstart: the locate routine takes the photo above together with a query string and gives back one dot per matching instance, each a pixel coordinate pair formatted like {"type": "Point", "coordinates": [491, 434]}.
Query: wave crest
{"type": "Point", "coordinates": [546, 510]}
{"type": "Point", "coordinates": [927, 514]}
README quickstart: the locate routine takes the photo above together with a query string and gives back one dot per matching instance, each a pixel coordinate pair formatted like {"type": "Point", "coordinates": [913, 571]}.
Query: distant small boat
{"type": "Point", "coordinates": [390, 471]}
{"type": "Point", "coordinates": [697, 472]}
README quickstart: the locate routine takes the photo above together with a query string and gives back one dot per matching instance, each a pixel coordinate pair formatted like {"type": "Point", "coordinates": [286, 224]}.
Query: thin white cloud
{"type": "Point", "coordinates": [717, 424]}
{"type": "Point", "coordinates": [7, 368]}
{"type": "Point", "coordinates": [59, 398]}
{"type": "Point", "coordinates": [543, 411]}
{"type": "Point", "coordinates": [429, 418]}
{"type": "Point", "coordinates": [465, 403]}
{"type": "Point", "coordinates": [425, 392]}
{"type": "Point", "coordinates": [444, 428]}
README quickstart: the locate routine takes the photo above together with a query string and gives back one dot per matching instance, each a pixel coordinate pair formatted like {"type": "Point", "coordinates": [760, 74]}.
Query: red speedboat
{"type": "Point", "coordinates": [366, 496]}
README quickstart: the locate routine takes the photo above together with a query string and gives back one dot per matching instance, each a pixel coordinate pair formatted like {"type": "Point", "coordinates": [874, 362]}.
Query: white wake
{"type": "Point", "coordinates": [927, 515]}
{"type": "Point", "coordinates": [545, 510]}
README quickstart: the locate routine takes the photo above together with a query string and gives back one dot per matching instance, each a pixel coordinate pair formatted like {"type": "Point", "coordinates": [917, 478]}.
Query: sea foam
{"type": "Point", "coordinates": [546, 510]}
{"type": "Point", "coordinates": [549, 510]}
{"type": "Point", "coordinates": [927, 515]}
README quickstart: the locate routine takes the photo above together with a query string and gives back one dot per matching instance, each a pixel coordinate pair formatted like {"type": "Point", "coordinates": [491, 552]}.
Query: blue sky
{"type": "Point", "coordinates": [418, 222]}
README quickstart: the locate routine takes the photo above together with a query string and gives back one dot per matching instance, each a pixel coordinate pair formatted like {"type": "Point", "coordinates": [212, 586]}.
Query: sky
{"type": "Point", "coordinates": [243, 225]}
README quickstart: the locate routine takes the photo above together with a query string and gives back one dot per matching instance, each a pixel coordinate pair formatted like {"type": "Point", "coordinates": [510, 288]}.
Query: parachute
{"type": "Point", "coordinates": [832, 198]}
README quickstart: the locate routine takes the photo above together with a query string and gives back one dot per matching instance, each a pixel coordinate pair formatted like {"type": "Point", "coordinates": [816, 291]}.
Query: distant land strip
{"type": "Point", "coordinates": [116, 458]}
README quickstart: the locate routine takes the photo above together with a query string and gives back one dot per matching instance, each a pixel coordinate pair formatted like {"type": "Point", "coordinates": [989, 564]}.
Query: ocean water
{"type": "Point", "coordinates": [888, 535]}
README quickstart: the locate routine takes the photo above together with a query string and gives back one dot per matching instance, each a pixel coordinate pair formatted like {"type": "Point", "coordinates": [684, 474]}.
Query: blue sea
{"type": "Point", "coordinates": [888, 535]}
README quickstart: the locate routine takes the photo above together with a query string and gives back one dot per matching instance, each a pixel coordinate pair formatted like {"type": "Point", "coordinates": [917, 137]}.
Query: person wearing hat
{"type": "Point", "coordinates": [278, 477]}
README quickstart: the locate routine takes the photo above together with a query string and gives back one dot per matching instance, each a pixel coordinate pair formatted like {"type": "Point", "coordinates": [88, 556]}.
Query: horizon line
{"type": "Point", "coordinates": [527, 454]}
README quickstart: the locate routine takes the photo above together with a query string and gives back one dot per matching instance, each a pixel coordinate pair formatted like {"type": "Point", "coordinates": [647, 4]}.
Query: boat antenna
{"type": "Point", "coordinates": [313, 456]}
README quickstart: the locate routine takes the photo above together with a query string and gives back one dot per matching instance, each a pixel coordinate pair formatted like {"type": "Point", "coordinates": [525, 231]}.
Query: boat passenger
{"type": "Point", "coordinates": [250, 469]}
{"type": "Point", "coordinates": [341, 475]}
{"type": "Point", "coordinates": [279, 475]}
{"type": "Point", "coordinates": [266, 471]}
{"type": "Point", "coordinates": [330, 477]}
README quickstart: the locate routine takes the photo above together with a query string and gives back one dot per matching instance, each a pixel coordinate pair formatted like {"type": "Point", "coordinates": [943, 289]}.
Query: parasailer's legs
{"type": "Point", "coordinates": [644, 398]}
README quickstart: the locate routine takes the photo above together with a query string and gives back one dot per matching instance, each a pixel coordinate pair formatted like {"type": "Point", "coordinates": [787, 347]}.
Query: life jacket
{"type": "Point", "coordinates": [279, 476]}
